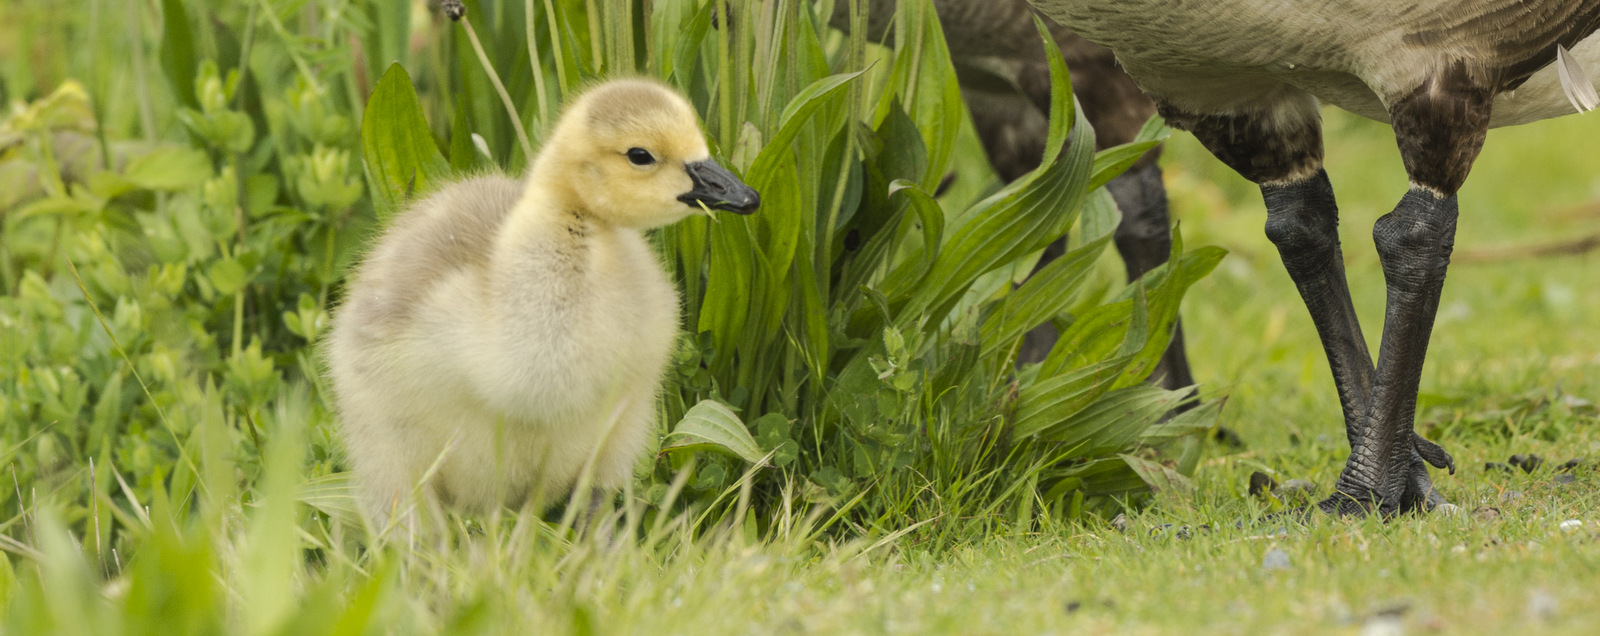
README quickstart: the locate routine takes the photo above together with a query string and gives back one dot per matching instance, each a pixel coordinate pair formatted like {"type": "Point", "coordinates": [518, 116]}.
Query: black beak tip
{"type": "Point", "coordinates": [747, 204]}
{"type": "Point", "coordinates": [715, 187]}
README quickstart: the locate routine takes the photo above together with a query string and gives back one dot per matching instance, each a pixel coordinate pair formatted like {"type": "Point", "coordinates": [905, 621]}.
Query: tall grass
{"type": "Point", "coordinates": [846, 378]}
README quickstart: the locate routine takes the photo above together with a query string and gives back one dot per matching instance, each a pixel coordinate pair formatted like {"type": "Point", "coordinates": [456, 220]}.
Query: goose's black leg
{"type": "Point", "coordinates": [1303, 221]}
{"type": "Point", "coordinates": [1440, 128]}
{"type": "Point", "coordinates": [1283, 153]}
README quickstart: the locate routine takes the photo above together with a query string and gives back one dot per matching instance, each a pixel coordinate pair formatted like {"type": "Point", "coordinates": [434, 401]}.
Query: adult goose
{"type": "Point", "coordinates": [1246, 77]}
{"type": "Point", "coordinates": [503, 335]}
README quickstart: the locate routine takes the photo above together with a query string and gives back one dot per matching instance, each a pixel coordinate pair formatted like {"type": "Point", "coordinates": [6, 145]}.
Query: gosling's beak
{"type": "Point", "coordinates": [717, 188]}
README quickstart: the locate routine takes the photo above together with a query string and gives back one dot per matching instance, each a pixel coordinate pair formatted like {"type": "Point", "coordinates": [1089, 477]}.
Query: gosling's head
{"type": "Point", "coordinates": [631, 153]}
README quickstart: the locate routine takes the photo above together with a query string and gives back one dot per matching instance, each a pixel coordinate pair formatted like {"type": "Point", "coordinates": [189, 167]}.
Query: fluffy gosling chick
{"type": "Point", "coordinates": [510, 330]}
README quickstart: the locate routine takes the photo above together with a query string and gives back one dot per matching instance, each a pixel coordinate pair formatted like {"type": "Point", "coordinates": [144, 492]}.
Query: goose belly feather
{"type": "Point", "coordinates": [1230, 56]}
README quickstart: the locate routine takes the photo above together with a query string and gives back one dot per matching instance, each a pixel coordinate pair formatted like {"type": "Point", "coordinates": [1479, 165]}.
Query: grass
{"type": "Point", "coordinates": [1514, 368]}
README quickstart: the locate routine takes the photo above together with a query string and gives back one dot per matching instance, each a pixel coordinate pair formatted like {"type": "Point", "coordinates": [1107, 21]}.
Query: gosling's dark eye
{"type": "Point", "coordinates": [640, 157]}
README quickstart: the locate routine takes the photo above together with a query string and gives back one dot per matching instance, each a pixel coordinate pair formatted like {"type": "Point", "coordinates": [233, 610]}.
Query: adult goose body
{"type": "Point", "coordinates": [1247, 77]}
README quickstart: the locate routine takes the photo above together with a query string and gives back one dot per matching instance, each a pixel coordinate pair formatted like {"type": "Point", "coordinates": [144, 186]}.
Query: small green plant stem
{"type": "Point", "coordinates": [595, 36]}
{"type": "Point", "coordinates": [555, 45]}
{"type": "Point", "coordinates": [97, 104]}
{"type": "Point", "coordinates": [141, 87]}
{"type": "Point", "coordinates": [238, 296]}
{"type": "Point", "coordinates": [327, 264]}
{"type": "Point", "coordinates": [725, 131]}
{"type": "Point", "coordinates": [538, 64]}
{"type": "Point", "coordinates": [288, 45]}
{"type": "Point", "coordinates": [494, 78]}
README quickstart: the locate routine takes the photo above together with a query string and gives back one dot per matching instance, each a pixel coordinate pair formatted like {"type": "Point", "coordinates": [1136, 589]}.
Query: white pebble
{"type": "Point", "coordinates": [1275, 560]}
{"type": "Point", "coordinates": [1383, 626]}
{"type": "Point", "coordinates": [1571, 525]}
{"type": "Point", "coordinates": [1541, 605]}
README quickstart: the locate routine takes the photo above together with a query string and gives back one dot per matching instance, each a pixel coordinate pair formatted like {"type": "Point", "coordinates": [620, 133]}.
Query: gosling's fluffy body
{"type": "Point", "coordinates": [512, 329]}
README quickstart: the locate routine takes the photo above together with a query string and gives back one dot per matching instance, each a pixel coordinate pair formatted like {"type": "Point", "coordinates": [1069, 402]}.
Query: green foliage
{"type": "Point", "coordinates": [170, 259]}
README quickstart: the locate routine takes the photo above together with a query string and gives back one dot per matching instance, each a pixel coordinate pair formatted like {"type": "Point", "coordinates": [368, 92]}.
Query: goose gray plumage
{"type": "Point", "coordinates": [1247, 76]}
{"type": "Point", "coordinates": [514, 332]}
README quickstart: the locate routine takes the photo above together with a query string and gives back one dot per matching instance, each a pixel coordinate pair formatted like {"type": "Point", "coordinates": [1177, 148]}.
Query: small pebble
{"type": "Point", "coordinates": [1511, 495]}
{"type": "Point", "coordinates": [1383, 626]}
{"type": "Point", "coordinates": [1542, 606]}
{"type": "Point", "coordinates": [1447, 509]}
{"type": "Point", "coordinates": [1485, 514]}
{"type": "Point", "coordinates": [1571, 525]}
{"type": "Point", "coordinates": [1275, 559]}
{"type": "Point", "coordinates": [1073, 606]}
{"type": "Point", "coordinates": [1120, 523]}
{"type": "Point", "coordinates": [1566, 478]}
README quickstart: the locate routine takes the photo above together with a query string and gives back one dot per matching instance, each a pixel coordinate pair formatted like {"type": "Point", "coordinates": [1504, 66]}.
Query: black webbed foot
{"type": "Point", "coordinates": [1416, 491]}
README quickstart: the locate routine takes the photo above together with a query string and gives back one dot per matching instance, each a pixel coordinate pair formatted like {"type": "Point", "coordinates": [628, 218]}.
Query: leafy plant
{"type": "Point", "coordinates": [170, 260]}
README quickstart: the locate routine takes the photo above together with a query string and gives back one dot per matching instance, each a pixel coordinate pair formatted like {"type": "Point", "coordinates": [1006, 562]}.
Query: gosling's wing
{"type": "Point", "coordinates": [450, 230]}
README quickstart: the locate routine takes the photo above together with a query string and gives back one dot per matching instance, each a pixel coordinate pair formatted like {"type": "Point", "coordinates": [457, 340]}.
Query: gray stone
{"type": "Point", "coordinates": [1275, 559]}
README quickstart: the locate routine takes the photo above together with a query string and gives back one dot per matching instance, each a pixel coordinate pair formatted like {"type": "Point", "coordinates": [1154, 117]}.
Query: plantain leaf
{"type": "Point", "coordinates": [795, 115]}
{"type": "Point", "coordinates": [712, 426]}
{"type": "Point", "coordinates": [1195, 421]}
{"type": "Point", "coordinates": [1160, 478]}
{"type": "Point", "coordinates": [399, 151]}
{"type": "Point", "coordinates": [463, 156]}
{"type": "Point", "coordinates": [333, 495]}
{"type": "Point", "coordinates": [1116, 160]}
{"type": "Point", "coordinates": [1046, 293]}
{"type": "Point", "coordinates": [1113, 421]}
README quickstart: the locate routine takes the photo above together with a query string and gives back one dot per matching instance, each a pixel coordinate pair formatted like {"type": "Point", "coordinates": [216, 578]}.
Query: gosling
{"type": "Point", "coordinates": [500, 334]}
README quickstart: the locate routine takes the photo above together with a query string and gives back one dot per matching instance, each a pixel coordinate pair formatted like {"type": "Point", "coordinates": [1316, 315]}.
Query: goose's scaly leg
{"type": "Point", "coordinates": [1440, 128]}
{"type": "Point", "coordinates": [1282, 152]}
{"type": "Point", "coordinates": [1303, 221]}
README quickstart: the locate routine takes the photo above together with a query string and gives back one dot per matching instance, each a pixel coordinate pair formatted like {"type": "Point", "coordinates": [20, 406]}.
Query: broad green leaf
{"type": "Point", "coordinates": [1116, 329]}
{"type": "Point", "coordinates": [1113, 421]}
{"type": "Point", "coordinates": [1116, 160]}
{"type": "Point", "coordinates": [1026, 215]}
{"type": "Point", "coordinates": [463, 156]}
{"type": "Point", "coordinates": [333, 495]}
{"type": "Point", "coordinates": [177, 51]}
{"type": "Point", "coordinates": [907, 156]}
{"type": "Point", "coordinates": [1063, 108]}
{"type": "Point", "coordinates": [1160, 478]}
{"type": "Point", "coordinates": [1169, 285]}
{"type": "Point", "coordinates": [1048, 292]}
{"type": "Point", "coordinates": [930, 218]}
{"type": "Point", "coordinates": [711, 425]}
{"type": "Point", "coordinates": [400, 153]}
{"type": "Point", "coordinates": [795, 115]}
{"type": "Point", "coordinates": [228, 276]}
{"type": "Point", "coordinates": [169, 169]}
{"type": "Point", "coordinates": [1196, 421]}
{"type": "Point", "coordinates": [1098, 219]}
{"type": "Point", "coordinates": [1048, 401]}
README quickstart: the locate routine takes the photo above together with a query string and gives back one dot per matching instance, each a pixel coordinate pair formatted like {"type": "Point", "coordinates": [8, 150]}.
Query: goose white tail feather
{"type": "Point", "coordinates": [1575, 82]}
